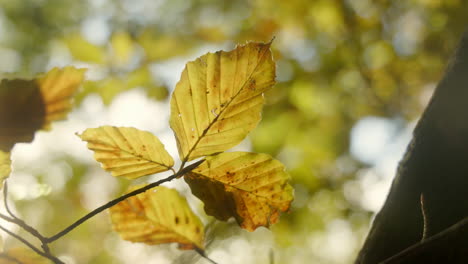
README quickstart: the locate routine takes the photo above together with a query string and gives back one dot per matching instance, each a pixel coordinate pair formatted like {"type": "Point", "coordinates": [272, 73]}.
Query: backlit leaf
{"type": "Point", "coordinates": [157, 216]}
{"type": "Point", "coordinates": [251, 187]}
{"type": "Point", "coordinates": [29, 105]}
{"type": "Point", "coordinates": [5, 166]}
{"type": "Point", "coordinates": [57, 89]}
{"type": "Point", "coordinates": [219, 99]}
{"type": "Point", "coordinates": [23, 256]}
{"type": "Point", "coordinates": [81, 49]}
{"type": "Point", "coordinates": [127, 152]}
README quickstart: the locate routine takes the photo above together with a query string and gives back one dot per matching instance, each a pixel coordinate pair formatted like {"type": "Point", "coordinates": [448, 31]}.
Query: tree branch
{"type": "Point", "coordinates": [449, 246]}
{"type": "Point", "coordinates": [120, 199]}
{"type": "Point", "coordinates": [15, 220]}
{"type": "Point", "coordinates": [32, 247]}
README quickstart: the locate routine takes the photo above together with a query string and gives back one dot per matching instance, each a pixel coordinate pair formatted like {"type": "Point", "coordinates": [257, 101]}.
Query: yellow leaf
{"type": "Point", "coordinates": [23, 256]}
{"type": "Point", "coordinates": [5, 166]}
{"type": "Point", "coordinates": [57, 88]}
{"type": "Point", "coordinates": [251, 187]}
{"type": "Point", "coordinates": [126, 151]}
{"type": "Point", "coordinates": [219, 99]}
{"type": "Point", "coordinates": [83, 50]}
{"type": "Point", "coordinates": [157, 216]}
{"type": "Point", "coordinates": [122, 46]}
{"type": "Point", "coordinates": [29, 105]}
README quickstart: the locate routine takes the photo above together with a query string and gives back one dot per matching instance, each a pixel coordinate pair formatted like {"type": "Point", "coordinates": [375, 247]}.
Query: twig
{"type": "Point", "coordinates": [448, 246]}
{"type": "Point", "coordinates": [15, 220]}
{"type": "Point", "coordinates": [31, 246]}
{"type": "Point", "coordinates": [5, 200]}
{"type": "Point", "coordinates": [424, 215]}
{"type": "Point", "coordinates": [118, 200]}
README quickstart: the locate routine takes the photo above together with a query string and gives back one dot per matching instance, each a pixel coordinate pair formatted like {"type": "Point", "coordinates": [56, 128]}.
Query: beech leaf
{"type": "Point", "coordinates": [57, 88]}
{"type": "Point", "coordinates": [157, 216]}
{"type": "Point", "coordinates": [253, 188]}
{"type": "Point", "coordinates": [126, 151]}
{"type": "Point", "coordinates": [219, 99]}
{"type": "Point", "coordinates": [30, 105]}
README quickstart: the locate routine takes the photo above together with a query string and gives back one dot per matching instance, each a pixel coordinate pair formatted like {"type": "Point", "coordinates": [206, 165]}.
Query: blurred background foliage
{"type": "Point", "coordinates": [339, 64]}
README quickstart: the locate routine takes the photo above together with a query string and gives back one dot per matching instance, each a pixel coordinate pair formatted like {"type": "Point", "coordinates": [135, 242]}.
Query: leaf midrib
{"type": "Point", "coordinates": [222, 111]}
{"type": "Point", "coordinates": [125, 151]}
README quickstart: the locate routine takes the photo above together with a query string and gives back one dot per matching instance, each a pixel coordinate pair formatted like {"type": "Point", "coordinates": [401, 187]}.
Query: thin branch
{"type": "Point", "coordinates": [15, 220]}
{"type": "Point", "coordinates": [448, 246]}
{"type": "Point", "coordinates": [5, 200]}
{"type": "Point", "coordinates": [425, 218]}
{"type": "Point", "coordinates": [120, 199]}
{"type": "Point", "coordinates": [32, 247]}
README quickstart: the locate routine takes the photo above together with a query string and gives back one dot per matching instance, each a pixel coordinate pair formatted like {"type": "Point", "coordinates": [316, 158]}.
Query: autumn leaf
{"type": "Point", "coordinates": [219, 99]}
{"type": "Point", "coordinates": [30, 105]}
{"type": "Point", "coordinates": [23, 256]}
{"type": "Point", "coordinates": [127, 152]}
{"type": "Point", "coordinates": [57, 89]}
{"type": "Point", "coordinates": [157, 216]}
{"type": "Point", "coordinates": [251, 187]}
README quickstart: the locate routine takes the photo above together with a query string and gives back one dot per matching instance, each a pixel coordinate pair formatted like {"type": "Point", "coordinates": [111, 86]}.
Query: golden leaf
{"type": "Point", "coordinates": [127, 151]}
{"type": "Point", "coordinates": [29, 105]}
{"type": "Point", "coordinates": [157, 216]}
{"type": "Point", "coordinates": [23, 256]}
{"type": "Point", "coordinates": [57, 88]}
{"type": "Point", "coordinates": [219, 99]}
{"type": "Point", "coordinates": [5, 166]}
{"type": "Point", "coordinates": [251, 187]}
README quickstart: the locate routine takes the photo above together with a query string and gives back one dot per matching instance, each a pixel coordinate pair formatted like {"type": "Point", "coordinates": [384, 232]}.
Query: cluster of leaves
{"type": "Point", "coordinates": [214, 106]}
{"type": "Point", "coordinates": [337, 62]}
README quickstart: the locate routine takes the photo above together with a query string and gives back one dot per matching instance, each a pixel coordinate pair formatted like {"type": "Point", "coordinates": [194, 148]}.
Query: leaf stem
{"type": "Point", "coordinates": [109, 204]}
{"type": "Point", "coordinates": [202, 253]}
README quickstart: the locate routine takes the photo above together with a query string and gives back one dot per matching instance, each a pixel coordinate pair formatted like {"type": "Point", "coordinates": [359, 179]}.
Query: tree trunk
{"type": "Point", "coordinates": [435, 165]}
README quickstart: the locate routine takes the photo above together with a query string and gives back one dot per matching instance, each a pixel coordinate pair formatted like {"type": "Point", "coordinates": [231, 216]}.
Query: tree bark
{"type": "Point", "coordinates": [435, 165]}
{"type": "Point", "coordinates": [448, 246]}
